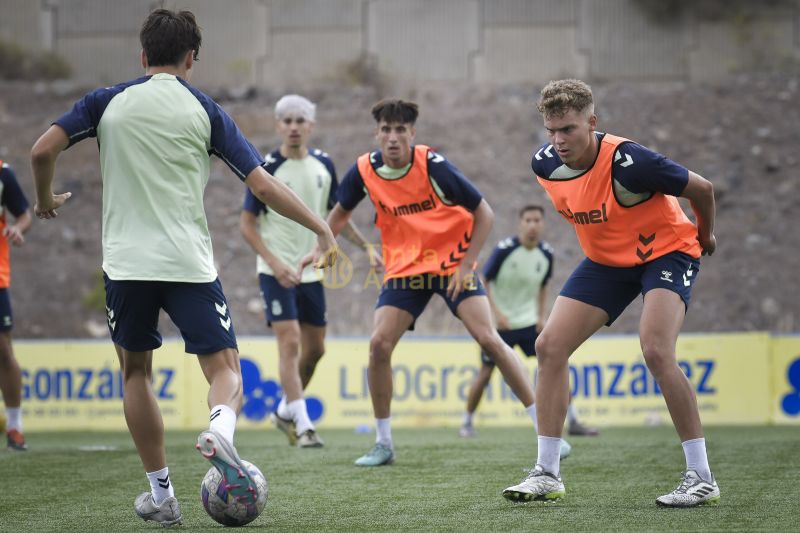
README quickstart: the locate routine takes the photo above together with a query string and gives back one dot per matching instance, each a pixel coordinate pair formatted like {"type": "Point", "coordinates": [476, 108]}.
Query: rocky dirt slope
{"type": "Point", "coordinates": [742, 135]}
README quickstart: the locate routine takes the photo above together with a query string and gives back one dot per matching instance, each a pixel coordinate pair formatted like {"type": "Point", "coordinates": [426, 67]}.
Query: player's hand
{"type": "Point", "coordinates": [285, 275]}
{"type": "Point", "coordinates": [14, 235]}
{"type": "Point", "coordinates": [47, 209]}
{"type": "Point", "coordinates": [463, 278]}
{"type": "Point", "coordinates": [324, 254]}
{"type": "Point", "coordinates": [540, 326]}
{"type": "Point", "coordinates": [709, 245]}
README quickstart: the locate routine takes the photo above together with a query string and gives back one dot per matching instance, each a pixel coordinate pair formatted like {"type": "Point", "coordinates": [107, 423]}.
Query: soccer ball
{"type": "Point", "coordinates": [222, 507]}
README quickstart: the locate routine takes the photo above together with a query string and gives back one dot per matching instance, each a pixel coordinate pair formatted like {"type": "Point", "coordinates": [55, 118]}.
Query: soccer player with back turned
{"type": "Point", "coordinates": [156, 134]}
{"type": "Point", "coordinates": [621, 199]}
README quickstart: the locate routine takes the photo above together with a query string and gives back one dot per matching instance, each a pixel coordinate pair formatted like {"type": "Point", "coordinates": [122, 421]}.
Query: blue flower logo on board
{"type": "Point", "coordinates": [262, 395]}
{"type": "Point", "coordinates": [791, 402]}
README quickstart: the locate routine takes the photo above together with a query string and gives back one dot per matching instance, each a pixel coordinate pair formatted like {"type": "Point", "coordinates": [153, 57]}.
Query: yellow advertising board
{"type": "Point", "coordinates": [78, 385]}
{"type": "Point", "coordinates": [785, 398]}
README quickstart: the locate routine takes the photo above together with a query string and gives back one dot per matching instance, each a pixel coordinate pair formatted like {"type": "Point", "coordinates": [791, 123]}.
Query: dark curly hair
{"type": "Point", "coordinates": [395, 110]}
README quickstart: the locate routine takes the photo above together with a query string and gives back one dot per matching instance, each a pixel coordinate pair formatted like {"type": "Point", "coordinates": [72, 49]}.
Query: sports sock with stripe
{"type": "Point", "coordinates": [160, 485]}
{"type": "Point", "coordinates": [222, 419]}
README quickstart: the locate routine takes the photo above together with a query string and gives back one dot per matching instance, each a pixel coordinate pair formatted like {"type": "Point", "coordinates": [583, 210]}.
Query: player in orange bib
{"type": "Point", "coordinates": [621, 199]}
{"type": "Point", "coordinates": [433, 223]}
{"type": "Point", "coordinates": [13, 201]}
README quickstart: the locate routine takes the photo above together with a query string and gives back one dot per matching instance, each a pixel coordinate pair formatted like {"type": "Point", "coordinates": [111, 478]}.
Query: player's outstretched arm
{"type": "Point", "coordinates": [700, 193]}
{"type": "Point", "coordinates": [338, 218]}
{"type": "Point", "coordinates": [43, 162]}
{"type": "Point", "coordinates": [277, 196]}
{"type": "Point", "coordinates": [352, 234]}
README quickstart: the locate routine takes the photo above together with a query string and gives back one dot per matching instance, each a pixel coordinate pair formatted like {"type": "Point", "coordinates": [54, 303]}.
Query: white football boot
{"type": "Point", "coordinates": [691, 492]}
{"type": "Point", "coordinates": [537, 486]}
{"type": "Point", "coordinates": [167, 514]}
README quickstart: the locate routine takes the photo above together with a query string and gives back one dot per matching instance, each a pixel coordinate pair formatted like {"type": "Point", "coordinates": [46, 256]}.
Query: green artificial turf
{"type": "Point", "coordinates": [88, 481]}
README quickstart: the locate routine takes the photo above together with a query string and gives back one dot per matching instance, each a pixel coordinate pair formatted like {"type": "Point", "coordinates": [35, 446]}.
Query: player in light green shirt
{"type": "Point", "coordinates": [516, 277]}
{"type": "Point", "coordinates": [294, 301]}
{"type": "Point", "coordinates": [156, 134]}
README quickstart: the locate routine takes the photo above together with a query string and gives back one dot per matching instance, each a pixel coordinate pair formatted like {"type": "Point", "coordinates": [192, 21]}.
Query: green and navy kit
{"type": "Point", "coordinates": [156, 134]}
{"type": "Point", "coordinates": [516, 275]}
{"type": "Point", "coordinates": [313, 179]}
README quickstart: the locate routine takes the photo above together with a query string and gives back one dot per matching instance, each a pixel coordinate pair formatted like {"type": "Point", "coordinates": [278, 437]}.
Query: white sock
{"type": "Point", "coordinates": [572, 415]}
{"type": "Point", "coordinates": [549, 453]}
{"type": "Point", "coordinates": [696, 457]}
{"type": "Point", "coordinates": [383, 433]}
{"type": "Point", "coordinates": [283, 410]}
{"type": "Point", "coordinates": [467, 421]}
{"type": "Point", "coordinates": [223, 421]}
{"type": "Point", "coordinates": [14, 421]}
{"type": "Point", "coordinates": [531, 410]}
{"type": "Point", "coordinates": [299, 412]}
{"type": "Point", "coordinates": [160, 485]}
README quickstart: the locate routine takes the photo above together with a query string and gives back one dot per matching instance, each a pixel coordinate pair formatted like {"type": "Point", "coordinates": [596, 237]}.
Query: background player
{"type": "Point", "coordinates": [156, 134]}
{"type": "Point", "coordinates": [621, 199]}
{"type": "Point", "coordinates": [12, 200]}
{"type": "Point", "coordinates": [516, 276]}
{"type": "Point", "coordinates": [294, 302]}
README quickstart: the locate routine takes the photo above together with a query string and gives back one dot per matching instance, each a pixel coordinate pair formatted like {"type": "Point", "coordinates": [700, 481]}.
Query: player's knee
{"type": "Point", "coordinates": [289, 347]}
{"type": "Point", "coordinates": [658, 358]}
{"type": "Point", "coordinates": [490, 342]}
{"type": "Point", "coordinates": [380, 349]}
{"type": "Point", "coordinates": [548, 349]}
{"type": "Point", "coordinates": [135, 367]}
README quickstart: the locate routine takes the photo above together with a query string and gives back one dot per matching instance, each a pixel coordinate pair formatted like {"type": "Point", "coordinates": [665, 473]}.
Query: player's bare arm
{"type": "Point", "coordinates": [482, 225]}
{"type": "Point", "coordinates": [700, 193]}
{"type": "Point", "coordinates": [338, 218]}
{"type": "Point", "coordinates": [248, 226]}
{"type": "Point", "coordinates": [352, 234]}
{"type": "Point", "coordinates": [284, 201]}
{"type": "Point", "coordinates": [43, 162]}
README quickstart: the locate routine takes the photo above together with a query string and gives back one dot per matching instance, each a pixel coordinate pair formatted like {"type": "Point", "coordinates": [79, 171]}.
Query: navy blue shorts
{"type": "Point", "coordinates": [304, 303]}
{"type": "Point", "coordinates": [6, 317]}
{"type": "Point", "coordinates": [413, 293]}
{"type": "Point", "coordinates": [199, 310]}
{"type": "Point", "coordinates": [525, 338]}
{"type": "Point", "coordinates": [612, 289]}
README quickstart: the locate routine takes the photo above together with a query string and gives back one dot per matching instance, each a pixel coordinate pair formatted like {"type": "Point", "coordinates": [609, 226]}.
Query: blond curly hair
{"type": "Point", "coordinates": [562, 96]}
